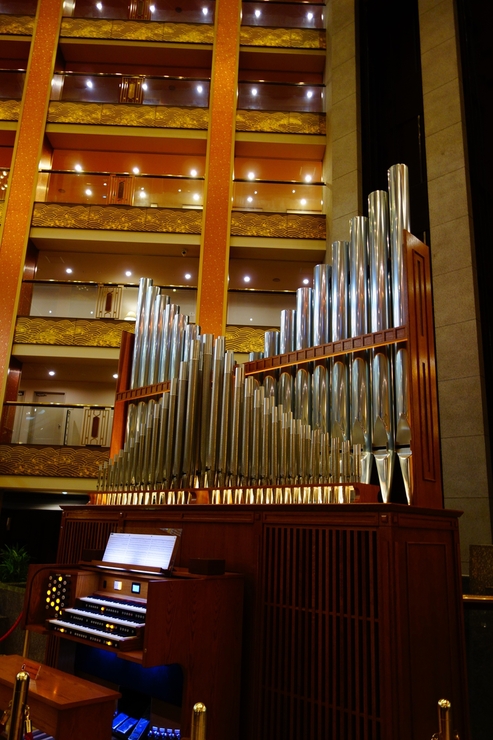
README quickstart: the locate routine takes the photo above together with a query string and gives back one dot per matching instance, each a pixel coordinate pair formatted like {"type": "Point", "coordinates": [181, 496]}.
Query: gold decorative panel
{"type": "Point", "coordinates": [137, 31]}
{"type": "Point", "coordinates": [20, 25]}
{"type": "Point", "coordinates": [131, 218]}
{"type": "Point", "coordinates": [280, 225]}
{"type": "Point", "coordinates": [70, 332]}
{"type": "Point", "coordinates": [245, 338]}
{"type": "Point", "coordinates": [280, 122]}
{"type": "Point", "coordinates": [9, 110]}
{"type": "Point", "coordinates": [291, 38]}
{"type": "Point", "coordinates": [107, 114]}
{"type": "Point", "coordinates": [67, 462]}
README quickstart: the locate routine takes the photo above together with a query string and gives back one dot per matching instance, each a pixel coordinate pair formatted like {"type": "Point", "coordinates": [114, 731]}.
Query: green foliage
{"type": "Point", "coordinates": [14, 562]}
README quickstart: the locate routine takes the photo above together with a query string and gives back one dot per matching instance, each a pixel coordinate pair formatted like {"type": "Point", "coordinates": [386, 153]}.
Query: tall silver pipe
{"type": "Point", "coordinates": [163, 429]}
{"type": "Point", "coordinates": [246, 428]}
{"type": "Point", "coordinates": [192, 408]}
{"type": "Point", "coordinates": [303, 396]}
{"type": "Point", "coordinates": [206, 357]}
{"type": "Point", "coordinates": [400, 219]}
{"type": "Point", "coordinates": [320, 398]}
{"type": "Point", "coordinates": [340, 289]}
{"type": "Point", "coordinates": [322, 279]}
{"type": "Point", "coordinates": [274, 450]}
{"type": "Point", "coordinates": [144, 284]}
{"type": "Point", "coordinates": [361, 413]}
{"type": "Point", "coordinates": [303, 318]}
{"type": "Point", "coordinates": [287, 333]}
{"type": "Point", "coordinates": [180, 425]}
{"type": "Point", "coordinates": [152, 293]}
{"type": "Point", "coordinates": [156, 338]}
{"type": "Point", "coordinates": [239, 381]}
{"type": "Point", "coordinates": [170, 311]}
{"type": "Point", "coordinates": [339, 405]}
{"type": "Point", "coordinates": [271, 343]}
{"type": "Point", "coordinates": [402, 419]}
{"type": "Point", "coordinates": [285, 391]}
{"type": "Point", "coordinates": [146, 469]}
{"type": "Point", "coordinates": [216, 392]}
{"type": "Point", "coordinates": [378, 242]}
{"type": "Point", "coordinates": [254, 356]}
{"type": "Point", "coordinates": [258, 405]}
{"type": "Point", "coordinates": [224, 428]}
{"type": "Point", "coordinates": [170, 436]}
{"type": "Point", "coordinates": [358, 271]}
{"type": "Point", "coordinates": [266, 440]}
{"type": "Point", "coordinates": [270, 387]}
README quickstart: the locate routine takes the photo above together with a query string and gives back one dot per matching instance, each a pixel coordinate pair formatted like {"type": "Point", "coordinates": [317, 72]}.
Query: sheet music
{"type": "Point", "coordinates": [140, 549]}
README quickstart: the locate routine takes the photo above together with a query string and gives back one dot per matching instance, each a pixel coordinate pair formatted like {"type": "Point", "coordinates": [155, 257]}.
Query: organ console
{"type": "Point", "coordinates": [153, 620]}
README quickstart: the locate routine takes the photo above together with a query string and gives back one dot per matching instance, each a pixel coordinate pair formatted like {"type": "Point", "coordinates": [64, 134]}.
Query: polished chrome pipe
{"type": "Point", "coordinates": [180, 321]}
{"type": "Point", "coordinates": [180, 425]}
{"type": "Point", "coordinates": [152, 293]}
{"type": "Point", "coordinates": [239, 383]}
{"type": "Point", "coordinates": [339, 405]}
{"type": "Point", "coordinates": [170, 311]}
{"type": "Point", "coordinates": [271, 343]}
{"type": "Point", "coordinates": [339, 292]}
{"type": "Point", "coordinates": [270, 387]}
{"type": "Point", "coordinates": [246, 428]}
{"type": "Point", "coordinates": [303, 400]}
{"type": "Point", "coordinates": [156, 338]}
{"type": "Point", "coordinates": [205, 410]}
{"type": "Point", "coordinates": [400, 219]}
{"type": "Point", "coordinates": [192, 408]}
{"type": "Point", "coordinates": [303, 318]}
{"type": "Point", "coordinates": [320, 398]}
{"type": "Point", "coordinates": [285, 391]}
{"type": "Point", "coordinates": [170, 436]}
{"type": "Point", "coordinates": [161, 443]}
{"type": "Point", "coordinates": [224, 437]}
{"type": "Point", "coordinates": [322, 284]}
{"type": "Point", "coordinates": [358, 272]}
{"type": "Point", "coordinates": [360, 424]}
{"type": "Point", "coordinates": [274, 449]}
{"type": "Point", "coordinates": [287, 342]}
{"type": "Point", "coordinates": [258, 404]}
{"type": "Point", "coordinates": [144, 284]}
{"type": "Point", "coordinates": [378, 242]}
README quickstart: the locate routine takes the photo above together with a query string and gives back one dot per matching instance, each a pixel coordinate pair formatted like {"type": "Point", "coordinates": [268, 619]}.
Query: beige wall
{"type": "Point", "coordinates": [460, 381]}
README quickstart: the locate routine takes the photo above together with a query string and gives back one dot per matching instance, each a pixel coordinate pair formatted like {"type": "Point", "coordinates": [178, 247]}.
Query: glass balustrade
{"type": "Point", "coordinates": [278, 197]}
{"type": "Point", "coordinates": [57, 424]}
{"type": "Point", "coordinates": [187, 11]}
{"type": "Point", "coordinates": [142, 90]}
{"type": "Point", "coordinates": [86, 300]}
{"type": "Point", "coordinates": [11, 84]}
{"type": "Point", "coordinates": [94, 188]}
{"type": "Point", "coordinates": [272, 96]}
{"type": "Point", "coordinates": [18, 7]}
{"type": "Point", "coordinates": [283, 15]}
{"type": "Point", "coordinates": [4, 176]}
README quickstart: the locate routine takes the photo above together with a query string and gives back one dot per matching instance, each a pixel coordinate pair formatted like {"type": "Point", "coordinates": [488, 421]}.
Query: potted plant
{"type": "Point", "coordinates": [14, 562]}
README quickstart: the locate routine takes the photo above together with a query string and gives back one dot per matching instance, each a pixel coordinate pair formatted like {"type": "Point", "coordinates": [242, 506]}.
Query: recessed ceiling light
{"type": "Point", "coordinates": [64, 493]}
{"type": "Point", "coordinates": [246, 279]}
{"type": "Point", "coordinates": [69, 271]}
{"type": "Point", "coordinates": [303, 201]}
{"type": "Point", "coordinates": [251, 175]}
{"type": "Point", "coordinates": [309, 16]}
{"type": "Point", "coordinates": [89, 84]}
{"type": "Point", "coordinates": [258, 13]}
{"type": "Point", "coordinates": [309, 94]}
{"type": "Point", "coordinates": [250, 199]}
{"type": "Point", "coordinates": [144, 85]}
{"type": "Point", "coordinates": [128, 273]}
{"type": "Point", "coordinates": [200, 89]}
{"type": "Point", "coordinates": [142, 194]}
{"type": "Point", "coordinates": [115, 375]}
{"type": "Point", "coordinates": [188, 276]}
{"type": "Point", "coordinates": [308, 178]}
{"type": "Point", "coordinates": [88, 191]}
{"type": "Point", "coordinates": [99, 6]}
{"type": "Point", "coordinates": [251, 319]}
{"type": "Point", "coordinates": [51, 372]}
{"type": "Point", "coordinates": [254, 91]}
{"type": "Point", "coordinates": [135, 170]}
{"type": "Point", "coordinates": [196, 196]}
{"type": "Point", "coordinates": [193, 173]}
{"type": "Point", "coordinates": [205, 11]}
{"type": "Point", "coordinates": [78, 167]}
{"type": "Point", "coordinates": [305, 281]}
{"type": "Point", "coordinates": [152, 8]}
{"type": "Point", "coordinates": [293, 191]}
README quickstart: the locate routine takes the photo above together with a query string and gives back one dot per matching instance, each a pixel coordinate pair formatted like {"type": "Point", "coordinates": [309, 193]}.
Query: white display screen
{"type": "Point", "coordinates": [146, 550]}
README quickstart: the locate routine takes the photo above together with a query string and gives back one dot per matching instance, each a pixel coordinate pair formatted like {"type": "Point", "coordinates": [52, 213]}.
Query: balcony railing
{"type": "Point", "coordinates": [273, 96]}
{"type": "Point", "coordinates": [189, 11]}
{"type": "Point", "coordinates": [283, 14]}
{"type": "Point", "coordinates": [278, 197]}
{"type": "Point", "coordinates": [138, 89]}
{"type": "Point", "coordinates": [72, 425]}
{"type": "Point", "coordinates": [12, 83]}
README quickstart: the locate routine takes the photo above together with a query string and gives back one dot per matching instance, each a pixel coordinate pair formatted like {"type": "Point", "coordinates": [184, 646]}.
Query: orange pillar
{"type": "Point", "coordinates": [214, 253]}
{"type": "Point", "coordinates": [23, 178]}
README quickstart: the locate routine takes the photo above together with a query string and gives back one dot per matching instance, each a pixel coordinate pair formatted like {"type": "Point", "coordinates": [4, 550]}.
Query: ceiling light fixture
{"type": "Point", "coordinates": [196, 196]}
{"type": "Point", "coordinates": [89, 84]}
{"type": "Point", "coordinates": [250, 199]}
{"type": "Point", "coordinates": [99, 6]}
{"type": "Point", "coordinates": [193, 173]}
{"type": "Point", "coordinates": [205, 11]}
{"type": "Point", "coordinates": [188, 276]}
{"type": "Point", "coordinates": [115, 375]}
{"type": "Point", "coordinates": [135, 170]}
{"type": "Point", "coordinates": [305, 281]}
{"type": "Point", "coordinates": [246, 279]}
{"type": "Point", "coordinates": [200, 89]}
{"type": "Point", "coordinates": [309, 94]}
{"type": "Point", "coordinates": [88, 191]}
{"type": "Point", "coordinates": [51, 372]}
{"type": "Point", "coordinates": [128, 273]}
{"type": "Point", "coordinates": [254, 91]}
{"type": "Point", "coordinates": [308, 178]}
{"type": "Point", "coordinates": [78, 167]}
{"type": "Point", "coordinates": [303, 201]}
{"type": "Point", "coordinates": [251, 175]}
{"type": "Point", "coordinates": [258, 13]}
{"type": "Point", "coordinates": [69, 271]}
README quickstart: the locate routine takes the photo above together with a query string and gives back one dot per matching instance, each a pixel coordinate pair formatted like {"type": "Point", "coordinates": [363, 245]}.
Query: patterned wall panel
{"type": "Point", "coordinates": [16, 25]}
{"type": "Point", "coordinates": [117, 218]}
{"type": "Point", "coordinates": [106, 114]}
{"type": "Point", "coordinates": [137, 30]}
{"type": "Point", "coordinates": [280, 225]}
{"type": "Point", "coordinates": [280, 122]}
{"type": "Point", "coordinates": [291, 38]}
{"type": "Point", "coordinates": [9, 110]}
{"type": "Point", "coordinates": [245, 338]}
{"type": "Point", "coordinates": [70, 332]}
{"type": "Point", "coordinates": [69, 462]}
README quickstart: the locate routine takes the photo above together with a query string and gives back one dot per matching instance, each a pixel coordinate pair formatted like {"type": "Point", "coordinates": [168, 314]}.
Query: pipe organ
{"type": "Point", "coordinates": [298, 425]}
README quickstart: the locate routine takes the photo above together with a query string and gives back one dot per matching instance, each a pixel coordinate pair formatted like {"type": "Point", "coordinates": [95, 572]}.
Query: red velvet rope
{"type": "Point", "coordinates": [9, 631]}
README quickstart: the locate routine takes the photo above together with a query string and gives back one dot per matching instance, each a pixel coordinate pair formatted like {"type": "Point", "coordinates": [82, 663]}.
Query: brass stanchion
{"type": "Point", "coordinates": [19, 701]}
{"type": "Point", "coordinates": [445, 722]}
{"type": "Point", "coordinates": [199, 722]}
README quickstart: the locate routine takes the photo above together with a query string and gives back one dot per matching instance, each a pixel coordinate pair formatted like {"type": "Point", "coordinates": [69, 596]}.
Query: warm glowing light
{"type": "Point", "coordinates": [115, 375]}
{"type": "Point", "coordinates": [251, 175]}
{"type": "Point", "coordinates": [152, 8]}
{"type": "Point", "coordinates": [88, 191]}
{"type": "Point", "coordinates": [303, 202]}
{"type": "Point", "coordinates": [99, 6]}
{"type": "Point", "coordinates": [144, 85]}
{"type": "Point", "coordinates": [89, 84]}
{"type": "Point", "coordinates": [254, 91]}
{"type": "Point", "coordinates": [135, 170]}
{"type": "Point", "coordinates": [305, 281]}
{"type": "Point", "coordinates": [293, 191]}
{"type": "Point", "coordinates": [51, 372]}
{"type": "Point", "coordinates": [193, 173]}
{"type": "Point", "coordinates": [250, 199]}
{"type": "Point", "coordinates": [308, 178]}
{"type": "Point", "coordinates": [128, 273]}
{"type": "Point", "coordinates": [196, 196]}
{"type": "Point", "coordinates": [309, 16]}
{"type": "Point", "coordinates": [142, 194]}
{"type": "Point", "coordinates": [246, 279]}
{"type": "Point", "coordinates": [205, 11]}
{"type": "Point", "coordinates": [200, 89]}
{"type": "Point", "coordinates": [78, 167]}
{"type": "Point", "coordinates": [258, 13]}
{"type": "Point", "coordinates": [309, 94]}
{"type": "Point", "coordinates": [69, 271]}
{"type": "Point", "coordinates": [188, 276]}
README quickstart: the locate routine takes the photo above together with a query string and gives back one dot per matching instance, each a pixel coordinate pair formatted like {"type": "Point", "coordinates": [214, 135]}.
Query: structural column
{"type": "Point", "coordinates": [214, 253]}
{"type": "Point", "coordinates": [23, 179]}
